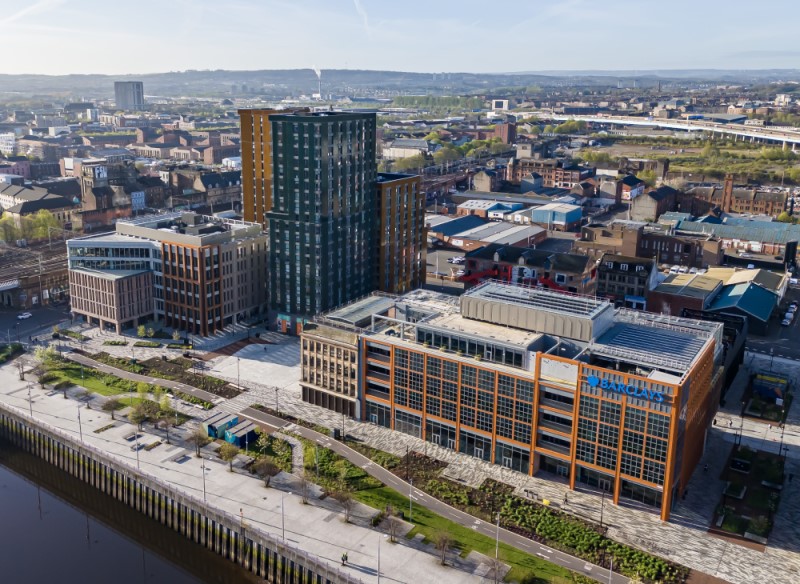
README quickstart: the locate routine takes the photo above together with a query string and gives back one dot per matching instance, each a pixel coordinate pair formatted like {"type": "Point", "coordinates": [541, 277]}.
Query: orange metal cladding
{"type": "Point", "coordinates": [256, 163]}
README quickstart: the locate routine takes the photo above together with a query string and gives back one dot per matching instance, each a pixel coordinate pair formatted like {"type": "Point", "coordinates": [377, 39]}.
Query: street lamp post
{"type": "Point", "coordinates": [410, 486]}
{"type": "Point", "coordinates": [80, 427]}
{"type": "Point", "coordinates": [238, 375]}
{"type": "Point", "coordinates": [30, 403]}
{"type": "Point", "coordinates": [136, 437]}
{"type": "Point", "coordinates": [203, 458]}
{"type": "Point", "coordinates": [277, 409]}
{"type": "Point", "coordinates": [771, 357]}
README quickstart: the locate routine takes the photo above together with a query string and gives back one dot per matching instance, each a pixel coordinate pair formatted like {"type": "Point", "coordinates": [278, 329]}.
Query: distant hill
{"type": "Point", "coordinates": [279, 83]}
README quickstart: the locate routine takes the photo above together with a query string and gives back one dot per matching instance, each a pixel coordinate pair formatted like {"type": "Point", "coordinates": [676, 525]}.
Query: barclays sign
{"type": "Point", "coordinates": [631, 390]}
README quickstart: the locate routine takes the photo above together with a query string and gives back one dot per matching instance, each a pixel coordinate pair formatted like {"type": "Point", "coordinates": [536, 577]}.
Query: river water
{"type": "Point", "coordinates": [55, 529]}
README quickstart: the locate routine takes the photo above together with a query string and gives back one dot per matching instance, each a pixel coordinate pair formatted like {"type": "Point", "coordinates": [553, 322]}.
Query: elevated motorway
{"type": "Point", "coordinates": [767, 134]}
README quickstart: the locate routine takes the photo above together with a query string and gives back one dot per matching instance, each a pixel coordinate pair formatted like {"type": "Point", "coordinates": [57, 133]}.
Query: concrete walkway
{"type": "Point", "coordinates": [684, 539]}
{"type": "Point", "coordinates": [316, 527]}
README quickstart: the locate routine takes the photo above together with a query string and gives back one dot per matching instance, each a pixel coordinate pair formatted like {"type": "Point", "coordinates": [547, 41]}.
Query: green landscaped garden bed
{"type": "Point", "coordinates": [179, 346]}
{"type": "Point", "coordinates": [734, 524]}
{"type": "Point", "coordinates": [8, 352]}
{"type": "Point", "coordinates": [116, 343]}
{"type": "Point", "coordinates": [532, 520]}
{"type": "Point", "coordinates": [147, 344]}
{"type": "Point", "coordinates": [73, 335]}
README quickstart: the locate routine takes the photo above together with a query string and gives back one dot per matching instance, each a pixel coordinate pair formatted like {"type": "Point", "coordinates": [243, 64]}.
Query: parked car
{"type": "Point", "coordinates": [674, 269]}
{"type": "Point", "coordinates": [692, 270]}
{"type": "Point", "coordinates": [786, 322]}
{"type": "Point", "coordinates": [683, 270]}
{"type": "Point", "coordinates": [788, 316]}
{"type": "Point", "coordinates": [793, 305]}
{"type": "Point", "coordinates": [24, 315]}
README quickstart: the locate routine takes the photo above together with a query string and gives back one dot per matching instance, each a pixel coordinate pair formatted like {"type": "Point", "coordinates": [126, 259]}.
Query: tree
{"type": "Point", "coordinates": [165, 404]}
{"type": "Point", "coordinates": [345, 498]}
{"type": "Point", "coordinates": [228, 452]}
{"type": "Point", "coordinates": [143, 390]}
{"type": "Point", "coordinates": [111, 405]}
{"type": "Point", "coordinates": [151, 332]}
{"type": "Point", "coordinates": [266, 468]}
{"type": "Point", "coordinates": [42, 222]}
{"type": "Point", "coordinates": [648, 176]}
{"type": "Point", "coordinates": [393, 522]}
{"type": "Point", "coordinates": [176, 335]}
{"type": "Point", "coordinates": [785, 218]}
{"type": "Point", "coordinates": [305, 487]}
{"type": "Point", "coordinates": [198, 438]}
{"type": "Point", "coordinates": [138, 416]}
{"type": "Point", "coordinates": [45, 357]}
{"type": "Point", "coordinates": [141, 331]}
{"type": "Point", "coordinates": [158, 393]}
{"type": "Point", "coordinates": [442, 540]}
{"type": "Point", "coordinates": [164, 420]}
{"type": "Point", "coordinates": [448, 153]}
{"type": "Point", "coordinates": [264, 441]}
{"type": "Point", "coordinates": [415, 162]}
{"type": "Point", "coordinates": [8, 229]}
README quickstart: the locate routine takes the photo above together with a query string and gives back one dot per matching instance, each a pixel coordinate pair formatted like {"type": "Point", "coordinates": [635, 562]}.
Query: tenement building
{"type": "Point", "coordinates": [542, 383]}
{"type": "Point", "coordinates": [197, 273]}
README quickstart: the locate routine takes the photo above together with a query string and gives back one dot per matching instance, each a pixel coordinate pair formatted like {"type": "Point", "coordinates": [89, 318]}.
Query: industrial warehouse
{"type": "Point", "coordinates": [534, 380]}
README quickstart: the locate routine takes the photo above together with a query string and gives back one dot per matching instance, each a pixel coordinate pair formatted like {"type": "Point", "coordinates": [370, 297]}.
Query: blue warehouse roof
{"type": "Point", "coordinates": [747, 297]}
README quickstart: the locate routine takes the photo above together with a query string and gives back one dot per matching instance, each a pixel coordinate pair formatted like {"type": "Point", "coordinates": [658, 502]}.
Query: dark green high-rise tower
{"type": "Point", "coordinates": [324, 211]}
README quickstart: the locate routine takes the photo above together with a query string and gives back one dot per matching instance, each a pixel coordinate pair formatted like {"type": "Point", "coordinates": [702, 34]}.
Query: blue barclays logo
{"type": "Point", "coordinates": [631, 390]}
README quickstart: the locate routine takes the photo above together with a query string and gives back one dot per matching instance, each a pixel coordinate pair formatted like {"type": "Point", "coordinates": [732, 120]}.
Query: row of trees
{"type": "Point", "coordinates": [36, 226]}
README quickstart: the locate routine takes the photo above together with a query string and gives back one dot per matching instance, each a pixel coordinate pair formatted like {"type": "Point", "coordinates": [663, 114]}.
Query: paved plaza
{"type": "Point", "coordinates": [316, 527]}
{"type": "Point", "coordinates": [684, 539]}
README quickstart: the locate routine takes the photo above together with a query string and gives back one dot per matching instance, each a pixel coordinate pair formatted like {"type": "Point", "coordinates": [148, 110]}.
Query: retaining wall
{"type": "Point", "coordinates": [260, 553]}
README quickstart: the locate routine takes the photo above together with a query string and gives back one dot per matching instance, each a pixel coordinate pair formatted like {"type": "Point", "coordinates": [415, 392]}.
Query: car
{"type": "Point", "coordinates": [692, 270]}
{"type": "Point", "coordinates": [786, 322]}
{"type": "Point", "coordinates": [793, 305]}
{"type": "Point", "coordinates": [674, 269]}
{"type": "Point", "coordinates": [792, 308]}
{"type": "Point", "coordinates": [24, 315]}
{"type": "Point", "coordinates": [460, 273]}
{"type": "Point", "coordinates": [683, 270]}
{"type": "Point", "coordinates": [788, 316]}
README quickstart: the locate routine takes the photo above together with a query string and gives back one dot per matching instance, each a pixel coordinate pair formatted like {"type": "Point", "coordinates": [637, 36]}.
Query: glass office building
{"type": "Point", "coordinates": [542, 382]}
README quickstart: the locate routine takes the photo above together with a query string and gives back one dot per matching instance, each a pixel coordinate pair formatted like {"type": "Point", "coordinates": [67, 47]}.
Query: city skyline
{"type": "Point", "coordinates": [366, 34]}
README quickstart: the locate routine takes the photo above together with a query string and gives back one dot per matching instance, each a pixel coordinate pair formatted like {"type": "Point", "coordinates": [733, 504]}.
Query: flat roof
{"type": "Point", "coordinates": [356, 313]}
{"type": "Point", "coordinates": [110, 274]}
{"type": "Point", "coordinates": [542, 299]}
{"type": "Point", "coordinates": [454, 322]}
{"type": "Point", "coordinates": [650, 345]}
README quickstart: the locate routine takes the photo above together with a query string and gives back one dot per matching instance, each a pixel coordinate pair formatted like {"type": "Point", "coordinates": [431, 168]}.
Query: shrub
{"type": "Point", "coordinates": [147, 344]}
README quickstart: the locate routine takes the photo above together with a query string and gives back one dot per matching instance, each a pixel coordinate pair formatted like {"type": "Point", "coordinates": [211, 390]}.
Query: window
{"type": "Point", "coordinates": [623, 267]}
{"type": "Point", "coordinates": [639, 268]}
{"type": "Point", "coordinates": [561, 278]}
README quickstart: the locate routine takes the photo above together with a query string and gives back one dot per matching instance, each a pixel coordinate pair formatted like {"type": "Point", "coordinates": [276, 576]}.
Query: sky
{"type": "Point", "coordinates": [150, 36]}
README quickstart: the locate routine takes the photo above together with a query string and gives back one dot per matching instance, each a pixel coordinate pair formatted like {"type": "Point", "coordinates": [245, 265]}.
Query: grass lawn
{"type": "Point", "coordinates": [72, 373]}
{"type": "Point", "coordinates": [428, 524]}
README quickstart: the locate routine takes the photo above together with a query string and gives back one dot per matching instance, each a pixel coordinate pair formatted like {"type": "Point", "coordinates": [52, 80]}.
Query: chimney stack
{"type": "Point", "coordinates": [727, 194]}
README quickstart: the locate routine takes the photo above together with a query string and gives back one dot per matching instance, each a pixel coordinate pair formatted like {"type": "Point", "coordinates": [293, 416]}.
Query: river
{"type": "Point", "coordinates": [56, 529]}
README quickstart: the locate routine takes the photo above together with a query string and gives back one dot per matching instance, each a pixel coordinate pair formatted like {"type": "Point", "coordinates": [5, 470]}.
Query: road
{"type": "Point", "coordinates": [42, 321]}
{"type": "Point", "coordinates": [419, 498]}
